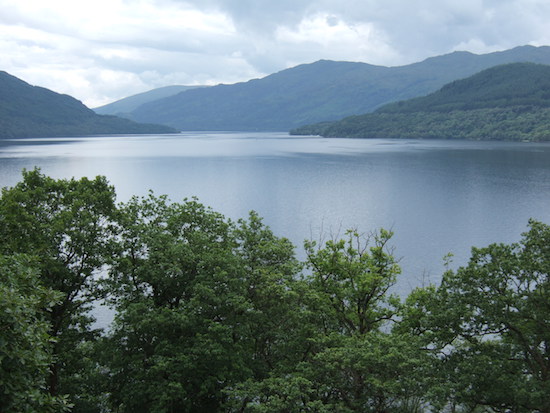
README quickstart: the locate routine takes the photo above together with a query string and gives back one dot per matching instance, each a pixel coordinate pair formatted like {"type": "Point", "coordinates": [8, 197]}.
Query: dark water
{"type": "Point", "coordinates": [437, 196]}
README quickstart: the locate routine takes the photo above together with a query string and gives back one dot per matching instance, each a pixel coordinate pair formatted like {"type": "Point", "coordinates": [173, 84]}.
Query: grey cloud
{"type": "Point", "coordinates": [261, 37]}
{"type": "Point", "coordinates": [260, 17]}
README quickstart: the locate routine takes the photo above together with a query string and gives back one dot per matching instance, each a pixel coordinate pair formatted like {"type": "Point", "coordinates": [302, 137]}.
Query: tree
{"type": "Point", "coordinates": [65, 224]}
{"type": "Point", "coordinates": [354, 363]}
{"type": "Point", "coordinates": [278, 324]}
{"type": "Point", "coordinates": [192, 292]}
{"type": "Point", "coordinates": [488, 327]}
{"type": "Point", "coordinates": [25, 343]}
{"type": "Point", "coordinates": [170, 348]}
{"type": "Point", "coordinates": [219, 315]}
{"type": "Point", "coordinates": [352, 279]}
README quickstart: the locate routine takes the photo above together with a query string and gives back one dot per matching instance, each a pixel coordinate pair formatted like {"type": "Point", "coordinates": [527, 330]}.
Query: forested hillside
{"type": "Point", "coordinates": [515, 84]}
{"type": "Point", "coordinates": [214, 315]}
{"type": "Point", "coordinates": [320, 91]}
{"type": "Point", "coordinates": [507, 102]}
{"type": "Point", "coordinates": [31, 111]}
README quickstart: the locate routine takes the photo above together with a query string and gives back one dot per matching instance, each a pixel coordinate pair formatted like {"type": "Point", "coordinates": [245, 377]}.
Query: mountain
{"type": "Point", "coordinates": [506, 102]}
{"type": "Point", "coordinates": [32, 111]}
{"type": "Point", "coordinates": [124, 106]}
{"type": "Point", "coordinates": [320, 91]}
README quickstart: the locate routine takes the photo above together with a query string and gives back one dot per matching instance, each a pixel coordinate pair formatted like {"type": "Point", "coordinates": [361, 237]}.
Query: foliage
{"type": "Point", "coordinates": [25, 345]}
{"type": "Point", "coordinates": [352, 280]}
{"type": "Point", "coordinates": [488, 325]}
{"type": "Point", "coordinates": [201, 303]}
{"type": "Point", "coordinates": [65, 224]}
{"type": "Point", "coordinates": [173, 290]}
{"type": "Point", "coordinates": [216, 315]}
{"type": "Point", "coordinates": [354, 363]}
{"type": "Point", "coordinates": [360, 365]}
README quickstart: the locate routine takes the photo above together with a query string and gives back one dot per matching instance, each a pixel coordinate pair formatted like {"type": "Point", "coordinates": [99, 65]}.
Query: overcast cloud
{"type": "Point", "coordinates": [103, 50]}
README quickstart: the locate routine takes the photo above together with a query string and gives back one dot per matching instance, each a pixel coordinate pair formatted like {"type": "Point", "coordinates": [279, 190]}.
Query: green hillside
{"type": "Point", "coordinates": [507, 102]}
{"type": "Point", "coordinates": [320, 91]}
{"type": "Point", "coordinates": [31, 111]}
{"type": "Point", "coordinates": [502, 86]}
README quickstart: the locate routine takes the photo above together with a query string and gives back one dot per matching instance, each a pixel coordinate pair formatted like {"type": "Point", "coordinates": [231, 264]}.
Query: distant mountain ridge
{"type": "Point", "coordinates": [126, 105]}
{"type": "Point", "coordinates": [320, 91]}
{"type": "Point", "coordinates": [505, 102]}
{"type": "Point", "coordinates": [513, 84]}
{"type": "Point", "coordinates": [32, 111]}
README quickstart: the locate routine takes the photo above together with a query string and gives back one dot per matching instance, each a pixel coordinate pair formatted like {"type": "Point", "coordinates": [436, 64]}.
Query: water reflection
{"type": "Point", "coordinates": [438, 196]}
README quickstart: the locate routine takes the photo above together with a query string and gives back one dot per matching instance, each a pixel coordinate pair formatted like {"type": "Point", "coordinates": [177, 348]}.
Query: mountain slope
{"type": "Point", "coordinates": [31, 111]}
{"type": "Point", "coordinates": [299, 95]}
{"type": "Point", "coordinates": [320, 91]}
{"type": "Point", "coordinates": [506, 102]}
{"type": "Point", "coordinates": [513, 84]}
{"type": "Point", "coordinates": [127, 105]}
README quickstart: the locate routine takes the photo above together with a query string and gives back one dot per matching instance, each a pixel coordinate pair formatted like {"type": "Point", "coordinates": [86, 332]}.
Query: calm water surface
{"type": "Point", "coordinates": [437, 196]}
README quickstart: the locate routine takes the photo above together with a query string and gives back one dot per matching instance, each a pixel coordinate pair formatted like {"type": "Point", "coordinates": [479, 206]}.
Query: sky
{"type": "Point", "coordinates": [100, 51]}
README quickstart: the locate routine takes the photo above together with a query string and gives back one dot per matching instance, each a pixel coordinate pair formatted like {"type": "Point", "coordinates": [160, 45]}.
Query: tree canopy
{"type": "Point", "coordinates": [219, 315]}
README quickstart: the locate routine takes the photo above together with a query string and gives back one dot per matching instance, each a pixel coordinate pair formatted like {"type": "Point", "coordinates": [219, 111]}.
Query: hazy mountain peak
{"type": "Point", "coordinates": [324, 90]}
{"type": "Point", "coordinates": [504, 102]}
{"type": "Point", "coordinates": [130, 103]}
